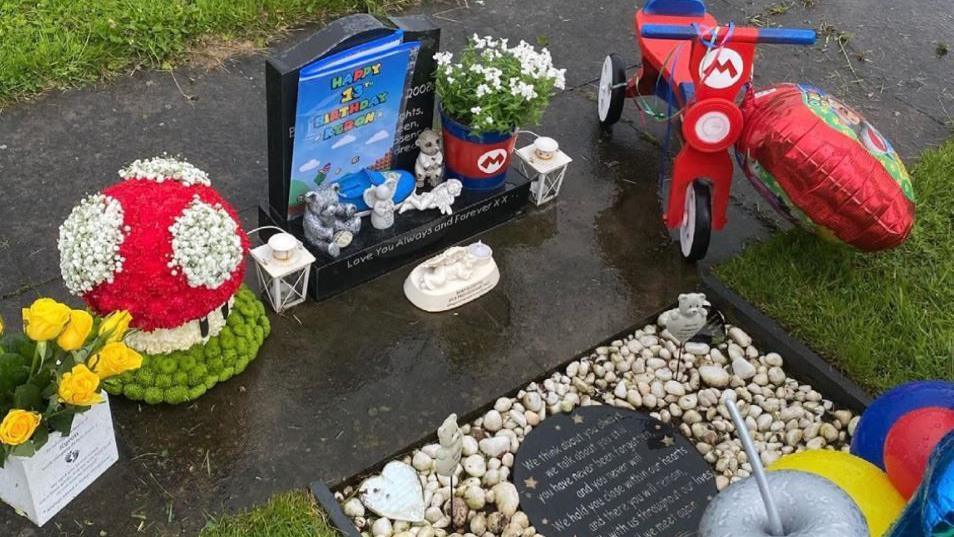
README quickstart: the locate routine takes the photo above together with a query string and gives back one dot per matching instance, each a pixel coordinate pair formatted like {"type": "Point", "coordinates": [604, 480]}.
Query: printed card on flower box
{"type": "Point", "coordinates": [41, 485]}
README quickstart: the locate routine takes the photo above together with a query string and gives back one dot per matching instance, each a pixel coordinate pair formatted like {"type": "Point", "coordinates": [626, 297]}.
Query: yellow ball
{"type": "Point", "coordinates": [867, 485]}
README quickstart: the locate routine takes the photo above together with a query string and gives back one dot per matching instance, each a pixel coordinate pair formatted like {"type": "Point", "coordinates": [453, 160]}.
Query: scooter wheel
{"type": "Point", "coordinates": [696, 227]}
{"type": "Point", "coordinates": [611, 91]}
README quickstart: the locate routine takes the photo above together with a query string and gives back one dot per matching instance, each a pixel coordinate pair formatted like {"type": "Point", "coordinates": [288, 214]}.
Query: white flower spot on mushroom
{"type": "Point", "coordinates": [89, 243]}
{"type": "Point", "coordinates": [163, 168]}
{"type": "Point", "coordinates": [206, 246]}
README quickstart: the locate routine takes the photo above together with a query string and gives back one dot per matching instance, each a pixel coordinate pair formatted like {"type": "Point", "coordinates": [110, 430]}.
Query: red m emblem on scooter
{"type": "Point", "coordinates": [724, 66]}
{"type": "Point", "coordinates": [721, 68]}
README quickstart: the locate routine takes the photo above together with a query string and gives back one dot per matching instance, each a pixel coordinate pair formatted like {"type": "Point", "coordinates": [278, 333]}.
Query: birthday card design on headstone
{"type": "Point", "coordinates": [348, 112]}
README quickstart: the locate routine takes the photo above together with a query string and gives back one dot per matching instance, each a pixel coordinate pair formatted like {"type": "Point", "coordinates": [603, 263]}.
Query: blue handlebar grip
{"type": "Point", "coordinates": [668, 31]}
{"type": "Point", "coordinates": [787, 36]}
{"type": "Point", "coordinates": [778, 36]}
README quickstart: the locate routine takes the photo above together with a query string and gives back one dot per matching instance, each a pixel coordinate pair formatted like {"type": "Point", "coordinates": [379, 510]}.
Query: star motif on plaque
{"type": "Point", "coordinates": [544, 522]}
{"type": "Point", "coordinates": [557, 427]}
{"type": "Point", "coordinates": [668, 441]}
{"type": "Point", "coordinates": [530, 483]}
{"type": "Point", "coordinates": [578, 419]}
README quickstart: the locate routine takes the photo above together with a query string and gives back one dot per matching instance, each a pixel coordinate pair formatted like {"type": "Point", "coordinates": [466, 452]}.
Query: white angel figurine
{"type": "Point", "coordinates": [380, 200]}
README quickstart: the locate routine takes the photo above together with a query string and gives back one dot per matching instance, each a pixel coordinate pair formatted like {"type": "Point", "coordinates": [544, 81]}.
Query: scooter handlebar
{"type": "Point", "coordinates": [741, 34]}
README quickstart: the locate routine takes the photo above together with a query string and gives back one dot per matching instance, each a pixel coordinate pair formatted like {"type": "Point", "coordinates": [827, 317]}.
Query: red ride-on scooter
{"type": "Point", "coordinates": [700, 70]}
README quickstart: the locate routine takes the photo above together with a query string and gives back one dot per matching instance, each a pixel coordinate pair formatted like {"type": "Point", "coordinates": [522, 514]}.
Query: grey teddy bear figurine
{"type": "Point", "coordinates": [429, 166]}
{"type": "Point", "coordinates": [329, 224]}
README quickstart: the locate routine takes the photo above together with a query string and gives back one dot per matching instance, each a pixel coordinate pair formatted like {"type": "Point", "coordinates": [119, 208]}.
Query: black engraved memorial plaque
{"type": "Point", "coordinates": [603, 471]}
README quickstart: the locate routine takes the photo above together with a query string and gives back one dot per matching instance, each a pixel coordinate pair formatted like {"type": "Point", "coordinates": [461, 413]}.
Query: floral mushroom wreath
{"type": "Point", "coordinates": [162, 244]}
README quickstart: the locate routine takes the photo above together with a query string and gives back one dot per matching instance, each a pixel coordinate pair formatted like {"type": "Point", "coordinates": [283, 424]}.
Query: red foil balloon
{"type": "Point", "coordinates": [910, 442]}
{"type": "Point", "coordinates": [826, 168]}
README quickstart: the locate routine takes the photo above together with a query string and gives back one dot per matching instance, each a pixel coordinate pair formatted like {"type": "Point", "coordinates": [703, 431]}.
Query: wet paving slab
{"type": "Point", "coordinates": [341, 384]}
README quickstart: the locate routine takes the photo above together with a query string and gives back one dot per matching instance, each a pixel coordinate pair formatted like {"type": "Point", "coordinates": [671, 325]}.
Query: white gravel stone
{"type": "Point", "coordinates": [493, 421]}
{"type": "Point", "coordinates": [382, 528]}
{"type": "Point", "coordinates": [506, 498]}
{"type": "Point", "coordinates": [354, 508]}
{"type": "Point", "coordinates": [422, 462]}
{"type": "Point", "coordinates": [495, 446]}
{"type": "Point", "coordinates": [713, 375]}
{"type": "Point", "coordinates": [475, 466]}
{"type": "Point", "coordinates": [739, 336]}
{"type": "Point", "coordinates": [743, 369]}
{"type": "Point", "coordinates": [674, 388]}
{"type": "Point", "coordinates": [696, 348]}
{"type": "Point", "coordinates": [469, 446]}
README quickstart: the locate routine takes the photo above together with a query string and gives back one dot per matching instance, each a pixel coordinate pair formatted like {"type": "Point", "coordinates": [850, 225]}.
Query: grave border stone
{"type": "Point", "coordinates": [800, 361]}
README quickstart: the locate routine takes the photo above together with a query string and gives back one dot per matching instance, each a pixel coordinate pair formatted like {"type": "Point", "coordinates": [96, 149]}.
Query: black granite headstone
{"type": "Point", "coordinates": [281, 93]}
{"type": "Point", "coordinates": [603, 471]}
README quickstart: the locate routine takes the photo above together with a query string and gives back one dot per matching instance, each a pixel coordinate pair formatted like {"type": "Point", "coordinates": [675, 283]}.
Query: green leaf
{"type": "Point", "coordinates": [40, 437]}
{"type": "Point", "coordinates": [24, 450]}
{"type": "Point", "coordinates": [62, 423]}
{"type": "Point", "coordinates": [28, 397]}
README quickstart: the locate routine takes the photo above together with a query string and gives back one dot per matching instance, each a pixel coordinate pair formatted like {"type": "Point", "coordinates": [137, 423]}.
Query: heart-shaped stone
{"type": "Point", "coordinates": [395, 494]}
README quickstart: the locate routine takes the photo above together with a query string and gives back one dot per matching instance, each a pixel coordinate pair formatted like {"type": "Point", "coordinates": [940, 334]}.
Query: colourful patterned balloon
{"type": "Point", "coordinates": [825, 168]}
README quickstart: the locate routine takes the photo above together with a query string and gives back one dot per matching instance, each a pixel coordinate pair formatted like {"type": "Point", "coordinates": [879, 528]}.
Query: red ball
{"type": "Point", "coordinates": [909, 445]}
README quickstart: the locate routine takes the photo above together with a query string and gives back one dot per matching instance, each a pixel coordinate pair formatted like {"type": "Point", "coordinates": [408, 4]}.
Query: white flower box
{"type": "Point", "coordinates": [40, 486]}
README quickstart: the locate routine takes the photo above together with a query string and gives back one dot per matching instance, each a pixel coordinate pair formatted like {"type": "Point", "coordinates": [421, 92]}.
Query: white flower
{"type": "Point", "coordinates": [476, 110]}
{"type": "Point", "coordinates": [443, 58]}
{"type": "Point", "coordinates": [521, 88]}
{"type": "Point", "coordinates": [206, 245]}
{"type": "Point", "coordinates": [164, 168]}
{"type": "Point", "coordinates": [163, 340]}
{"type": "Point", "coordinates": [89, 243]}
{"type": "Point", "coordinates": [483, 89]}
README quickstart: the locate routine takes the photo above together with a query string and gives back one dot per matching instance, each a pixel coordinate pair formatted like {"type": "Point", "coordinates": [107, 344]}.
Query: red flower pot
{"type": "Point", "coordinates": [480, 161]}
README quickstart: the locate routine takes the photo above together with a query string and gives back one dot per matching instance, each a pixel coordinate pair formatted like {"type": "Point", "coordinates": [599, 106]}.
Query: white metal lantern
{"type": "Point", "coordinates": [545, 165]}
{"type": "Point", "coordinates": [283, 265]}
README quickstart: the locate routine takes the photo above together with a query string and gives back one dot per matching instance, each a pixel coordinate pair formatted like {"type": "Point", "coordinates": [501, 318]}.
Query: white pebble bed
{"type": "Point", "coordinates": [637, 373]}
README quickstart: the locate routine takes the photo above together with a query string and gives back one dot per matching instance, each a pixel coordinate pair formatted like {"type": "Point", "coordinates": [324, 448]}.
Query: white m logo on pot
{"type": "Point", "coordinates": [492, 160]}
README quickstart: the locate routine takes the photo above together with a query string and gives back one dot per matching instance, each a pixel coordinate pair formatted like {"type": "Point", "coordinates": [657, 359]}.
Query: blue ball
{"type": "Point", "coordinates": [877, 420]}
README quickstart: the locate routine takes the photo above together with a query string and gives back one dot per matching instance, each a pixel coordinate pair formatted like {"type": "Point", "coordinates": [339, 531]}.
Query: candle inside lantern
{"type": "Point", "coordinates": [545, 147]}
{"type": "Point", "coordinates": [283, 246]}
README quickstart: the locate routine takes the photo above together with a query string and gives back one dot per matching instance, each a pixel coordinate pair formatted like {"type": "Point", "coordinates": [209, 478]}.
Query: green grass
{"type": "Point", "coordinates": [48, 44]}
{"type": "Point", "coordinates": [881, 318]}
{"type": "Point", "coordinates": [291, 514]}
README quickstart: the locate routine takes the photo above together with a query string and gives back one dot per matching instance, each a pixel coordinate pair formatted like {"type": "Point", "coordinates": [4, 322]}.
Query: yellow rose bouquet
{"type": "Point", "coordinates": [54, 370]}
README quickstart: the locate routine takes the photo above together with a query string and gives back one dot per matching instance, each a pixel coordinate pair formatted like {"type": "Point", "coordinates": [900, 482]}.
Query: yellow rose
{"type": "Point", "coordinates": [18, 426]}
{"type": "Point", "coordinates": [78, 387]}
{"type": "Point", "coordinates": [115, 325]}
{"type": "Point", "coordinates": [45, 319]}
{"type": "Point", "coordinates": [115, 359]}
{"type": "Point", "coordinates": [76, 331]}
